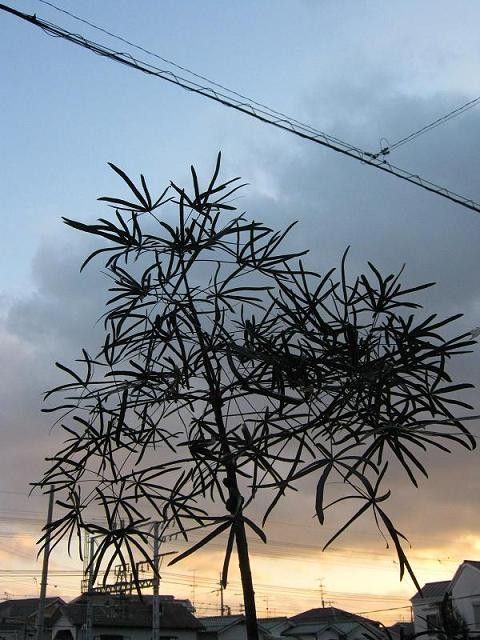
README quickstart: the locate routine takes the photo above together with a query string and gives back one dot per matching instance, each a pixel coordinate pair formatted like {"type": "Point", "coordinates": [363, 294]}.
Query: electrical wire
{"type": "Point", "coordinates": [189, 71]}
{"type": "Point", "coordinates": [201, 581]}
{"type": "Point", "coordinates": [209, 583]}
{"type": "Point", "coordinates": [458, 111]}
{"type": "Point", "coordinates": [452, 114]}
{"type": "Point", "coordinates": [277, 547]}
{"type": "Point", "coordinates": [284, 124]}
{"type": "Point", "coordinates": [192, 86]}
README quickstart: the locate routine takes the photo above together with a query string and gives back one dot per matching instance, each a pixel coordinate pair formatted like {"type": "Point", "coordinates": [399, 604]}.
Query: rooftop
{"type": "Point", "coordinates": [271, 623]}
{"type": "Point", "coordinates": [474, 563]}
{"type": "Point", "coordinates": [330, 615]}
{"type": "Point", "coordinates": [21, 609]}
{"type": "Point", "coordinates": [131, 611]}
{"type": "Point", "coordinates": [432, 590]}
{"type": "Point", "coordinates": [219, 623]}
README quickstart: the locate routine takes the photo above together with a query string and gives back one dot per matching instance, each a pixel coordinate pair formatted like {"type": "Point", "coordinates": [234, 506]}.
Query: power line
{"type": "Point", "coordinates": [187, 70]}
{"type": "Point", "coordinates": [205, 582]}
{"type": "Point", "coordinates": [247, 108]}
{"type": "Point", "coordinates": [458, 111]}
{"type": "Point", "coordinates": [362, 613]}
{"type": "Point", "coordinates": [432, 125]}
{"type": "Point", "coordinates": [208, 583]}
{"type": "Point", "coordinates": [129, 60]}
{"type": "Point", "coordinates": [453, 114]}
{"type": "Point", "coordinates": [277, 547]}
{"type": "Point", "coordinates": [268, 588]}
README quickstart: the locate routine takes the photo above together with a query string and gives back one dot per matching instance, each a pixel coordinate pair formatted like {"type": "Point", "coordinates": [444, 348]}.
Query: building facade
{"type": "Point", "coordinates": [457, 600]}
{"type": "Point", "coordinates": [107, 617]}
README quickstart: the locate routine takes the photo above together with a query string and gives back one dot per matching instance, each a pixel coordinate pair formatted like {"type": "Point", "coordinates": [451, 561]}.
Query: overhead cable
{"type": "Point", "coordinates": [187, 70]}
{"type": "Point", "coordinates": [458, 111]}
{"type": "Point", "coordinates": [281, 123]}
{"type": "Point", "coordinates": [387, 149]}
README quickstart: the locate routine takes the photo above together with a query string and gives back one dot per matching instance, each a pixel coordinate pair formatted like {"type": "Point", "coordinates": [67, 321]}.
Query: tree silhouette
{"type": "Point", "coordinates": [230, 370]}
{"type": "Point", "coordinates": [451, 624]}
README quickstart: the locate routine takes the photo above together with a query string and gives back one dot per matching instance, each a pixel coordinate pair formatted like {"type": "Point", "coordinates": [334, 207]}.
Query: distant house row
{"type": "Point", "coordinates": [129, 618]}
{"type": "Point", "coordinates": [447, 610]}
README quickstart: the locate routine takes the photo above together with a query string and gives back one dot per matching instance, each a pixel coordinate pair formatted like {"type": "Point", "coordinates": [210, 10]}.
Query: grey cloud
{"type": "Point", "coordinates": [51, 323]}
{"type": "Point", "coordinates": [65, 305]}
{"type": "Point", "coordinates": [339, 202]}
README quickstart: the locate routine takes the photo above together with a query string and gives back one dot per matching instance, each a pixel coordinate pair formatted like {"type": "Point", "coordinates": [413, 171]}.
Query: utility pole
{"type": "Point", "coordinates": [322, 595]}
{"type": "Point", "coordinates": [222, 606]}
{"type": "Point", "coordinates": [86, 560]}
{"type": "Point", "coordinates": [156, 584]}
{"type": "Point", "coordinates": [266, 600]}
{"type": "Point", "coordinates": [89, 616]}
{"type": "Point", "coordinates": [46, 554]}
{"type": "Point", "coordinates": [193, 587]}
{"type": "Point", "coordinates": [220, 590]}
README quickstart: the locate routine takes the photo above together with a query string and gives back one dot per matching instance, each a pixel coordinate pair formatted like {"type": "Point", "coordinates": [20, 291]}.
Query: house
{"type": "Point", "coordinates": [326, 623]}
{"type": "Point", "coordinates": [18, 617]}
{"type": "Point", "coordinates": [230, 628]}
{"type": "Point", "coordinates": [124, 618]}
{"type": "Point", "coordinates": [426, 605]}
{"type": "Point", "coordinates": [465, 592]}
{"type": "Point", "coordinates": [401, 631]}
{"type": "Point", "coordinates": [462, 593]}
{"type": "Point", "coordinates": [275, 626]}
{"type": "Point", "coordinates": [330, 623]}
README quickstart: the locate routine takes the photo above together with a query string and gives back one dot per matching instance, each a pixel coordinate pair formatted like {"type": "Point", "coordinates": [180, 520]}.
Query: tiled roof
{"type": "Point", "coordinates": [130, 611]}
{"type": "Point", "coordinates": [329, 615]}
{"type": "Point", "coordinates": [474, 563]}
{"type": "Point", "coordinates": [219, 623]}
{"type": "Point", "coordinates": [432, 590]}
{"type": "Point", "coordinates": [22, 608]}
{"type": "Point", "coordinates": [271, 623]}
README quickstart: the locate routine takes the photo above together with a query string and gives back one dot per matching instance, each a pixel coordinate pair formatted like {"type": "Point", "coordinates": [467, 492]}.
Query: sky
{"type": "Point", "coordinates": [363, 71]}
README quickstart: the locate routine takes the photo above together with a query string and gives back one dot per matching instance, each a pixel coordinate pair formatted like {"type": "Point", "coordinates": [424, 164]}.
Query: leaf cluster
{"type": "Point", "coordinates": [228, 368]}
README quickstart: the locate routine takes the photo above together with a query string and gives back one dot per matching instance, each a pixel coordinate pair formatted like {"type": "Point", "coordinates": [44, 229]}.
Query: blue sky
{"type": "Point", "coordinates": [326, 62]}
{"type": "Point", "coordinates": [360, 70]}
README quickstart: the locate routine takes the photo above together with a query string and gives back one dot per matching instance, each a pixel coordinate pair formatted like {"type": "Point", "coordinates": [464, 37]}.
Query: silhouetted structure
{"type": "Point", "coordinates": [124, 618]}
{"type": "Point", "coordinates": [18, 617]}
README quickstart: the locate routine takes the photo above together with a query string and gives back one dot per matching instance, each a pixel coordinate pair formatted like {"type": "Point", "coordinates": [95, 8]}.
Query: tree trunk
{"type": "Point", "coordinates": [247, 582]}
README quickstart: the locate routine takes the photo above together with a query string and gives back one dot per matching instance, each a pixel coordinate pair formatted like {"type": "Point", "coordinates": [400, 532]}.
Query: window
{"type": "Point", "coordinates": [64, 634]}
{"type": "Point", "coordinates": [432, 622]}
{"type": "Point", "coordinates": [476, 614]}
